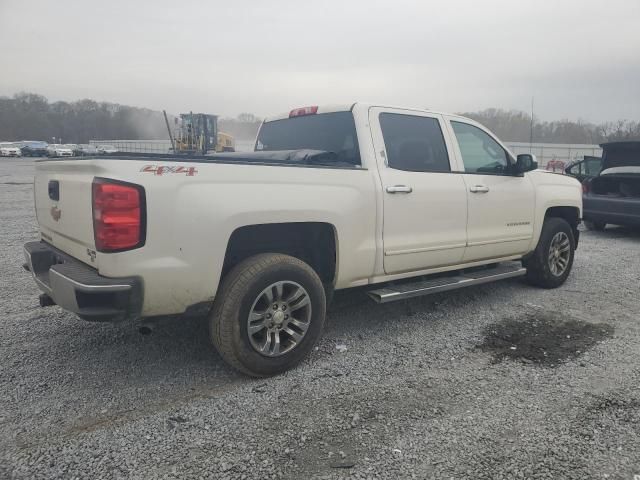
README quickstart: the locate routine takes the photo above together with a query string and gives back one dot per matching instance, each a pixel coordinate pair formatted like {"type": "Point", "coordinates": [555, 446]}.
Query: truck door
{"type": "Point", "coordinates": [501, 205]}
{"type": "Point", "coordinates": [424, 204]}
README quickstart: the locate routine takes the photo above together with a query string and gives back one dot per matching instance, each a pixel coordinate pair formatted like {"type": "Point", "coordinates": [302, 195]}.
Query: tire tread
{"type": "Point", "coordinates": [538, 273]}
{"type": "Point", "coordinates": [229, 298]}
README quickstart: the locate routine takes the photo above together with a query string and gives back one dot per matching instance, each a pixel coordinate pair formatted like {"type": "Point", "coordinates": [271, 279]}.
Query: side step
{"type": "Point", "coordinates": [443, 284]}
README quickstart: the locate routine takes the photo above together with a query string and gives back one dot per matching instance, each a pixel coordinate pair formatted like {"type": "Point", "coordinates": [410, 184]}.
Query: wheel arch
{"type": "Point", "coordinates": [315, 243]}
{"type": "Point", "coordinates": [568, 213]}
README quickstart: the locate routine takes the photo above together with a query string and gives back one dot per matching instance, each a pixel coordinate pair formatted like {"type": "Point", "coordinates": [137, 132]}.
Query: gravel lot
{"type": "Point", "coordinates": [497, 381]}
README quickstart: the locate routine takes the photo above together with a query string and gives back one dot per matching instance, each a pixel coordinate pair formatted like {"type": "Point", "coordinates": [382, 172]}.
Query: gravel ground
{"type": "Point", "coordinates": [497, 381]}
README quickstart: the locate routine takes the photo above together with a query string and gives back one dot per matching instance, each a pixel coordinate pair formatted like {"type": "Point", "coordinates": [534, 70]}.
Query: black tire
{"type": "Point", "coordinates": [539, 270]}
{"type": "Point", "coordinates": [239, 290]}
{"type": "Point", "coordinates": [597, 226]}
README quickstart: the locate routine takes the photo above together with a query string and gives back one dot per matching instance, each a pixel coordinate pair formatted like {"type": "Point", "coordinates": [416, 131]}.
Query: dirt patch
{"type": "Point", "coordinates": [543, 338]}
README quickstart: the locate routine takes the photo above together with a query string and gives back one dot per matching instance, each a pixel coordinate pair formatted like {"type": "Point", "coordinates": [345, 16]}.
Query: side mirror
{"type": "Point", "coordinates": [525, 163]}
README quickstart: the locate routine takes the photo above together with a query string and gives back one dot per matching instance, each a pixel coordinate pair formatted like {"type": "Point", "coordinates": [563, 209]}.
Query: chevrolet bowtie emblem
{"type": "Point", "coordinates": [56, 213]}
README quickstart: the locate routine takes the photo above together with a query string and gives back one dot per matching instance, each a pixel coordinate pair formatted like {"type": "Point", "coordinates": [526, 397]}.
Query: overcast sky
{"type": "Point", "coordinates": [580, 59]}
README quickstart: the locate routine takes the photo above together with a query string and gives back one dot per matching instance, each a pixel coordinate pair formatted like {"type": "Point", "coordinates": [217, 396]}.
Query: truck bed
{"type": "Point", "coordinates": [303, 158]}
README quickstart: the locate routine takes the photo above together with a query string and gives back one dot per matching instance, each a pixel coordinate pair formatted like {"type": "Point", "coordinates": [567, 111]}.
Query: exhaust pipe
{"type": "Point", "coordinates": [146, 328]}
{"type": "Point", "coordinates": [45, 300]}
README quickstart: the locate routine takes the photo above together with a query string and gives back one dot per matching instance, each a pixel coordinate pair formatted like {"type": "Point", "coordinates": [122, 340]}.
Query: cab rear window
{"type": "Point", "coordinates": [328, 132]}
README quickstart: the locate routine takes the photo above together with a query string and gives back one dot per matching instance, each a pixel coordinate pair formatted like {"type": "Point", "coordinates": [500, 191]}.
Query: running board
{"type": "Point", "coordinates": [403, 291]}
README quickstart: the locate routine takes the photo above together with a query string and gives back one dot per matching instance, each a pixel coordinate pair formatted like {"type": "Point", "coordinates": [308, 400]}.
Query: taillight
{"type": "Point", "coordinates": [300, 112]}
{"type": "Point", "coordinates": [585, 186]}
{"type": "Point", "coordinates": [118, 215]}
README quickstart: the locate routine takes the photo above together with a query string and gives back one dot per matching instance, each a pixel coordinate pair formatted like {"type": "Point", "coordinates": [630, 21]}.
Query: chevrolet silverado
{"type": "Point", "coordinates": [403, 202]}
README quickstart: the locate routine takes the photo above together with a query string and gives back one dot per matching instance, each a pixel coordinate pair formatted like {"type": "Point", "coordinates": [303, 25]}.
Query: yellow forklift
{"type": "Point", "coordinates": [197, 134]}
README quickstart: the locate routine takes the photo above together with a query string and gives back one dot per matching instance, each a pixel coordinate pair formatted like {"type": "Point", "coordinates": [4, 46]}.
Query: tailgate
{"type": "Point", "coordinates": [62, 191]}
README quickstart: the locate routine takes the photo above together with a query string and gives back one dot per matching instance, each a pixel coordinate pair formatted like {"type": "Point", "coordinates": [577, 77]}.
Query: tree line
{"type": "Point", "coordinates": [516, 126]}
{"type": "Point", "coordinates": [29, 116]}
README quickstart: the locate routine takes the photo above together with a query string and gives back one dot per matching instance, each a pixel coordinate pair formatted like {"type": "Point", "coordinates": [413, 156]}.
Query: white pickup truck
{"type": "Point", "coordinates": [404, 202]}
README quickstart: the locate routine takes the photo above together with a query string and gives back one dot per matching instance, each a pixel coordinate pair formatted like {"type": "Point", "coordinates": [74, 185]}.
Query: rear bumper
{"type": "Point", "coordinates": [615, 210]}
{"type": "Point", "coordinates": [79, 288]}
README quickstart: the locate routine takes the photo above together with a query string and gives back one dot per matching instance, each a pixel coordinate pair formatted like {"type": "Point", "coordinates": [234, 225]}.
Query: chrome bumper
{"type": "Point", "coordinates": [79, 288]}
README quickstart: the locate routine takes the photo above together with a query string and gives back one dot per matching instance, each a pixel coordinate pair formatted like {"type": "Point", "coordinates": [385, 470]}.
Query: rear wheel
{"type": "Point", "coordinates": [551, 262]}
{"type": "Point", "coordinates": [268, 314]}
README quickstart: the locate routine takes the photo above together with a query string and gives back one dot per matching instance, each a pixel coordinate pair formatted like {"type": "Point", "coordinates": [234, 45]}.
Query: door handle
{"type": "Point", "coordinates": [399, 189]}
{"type": "Point", "coordinates": [479, 189]}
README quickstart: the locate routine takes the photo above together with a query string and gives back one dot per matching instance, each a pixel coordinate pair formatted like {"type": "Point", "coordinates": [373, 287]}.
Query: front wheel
{"type": "Point", "coordinates": [268, 314]}
{"type": "Point", "coordinates": [551, 262]}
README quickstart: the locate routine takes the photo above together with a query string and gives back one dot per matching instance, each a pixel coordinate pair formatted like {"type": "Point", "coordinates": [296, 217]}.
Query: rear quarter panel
{"type": "Point", "coordinates": [190, 219]}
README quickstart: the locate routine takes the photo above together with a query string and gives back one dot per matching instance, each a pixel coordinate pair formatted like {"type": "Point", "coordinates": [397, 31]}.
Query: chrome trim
{"type": "Point", "coordinates": [89, 288]}
{"type": "Point", "coordinates": [399, 189]}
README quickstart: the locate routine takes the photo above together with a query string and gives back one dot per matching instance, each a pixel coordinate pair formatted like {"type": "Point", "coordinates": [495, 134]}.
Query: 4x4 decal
{"type": "Point", "coordinates": [164, 169]}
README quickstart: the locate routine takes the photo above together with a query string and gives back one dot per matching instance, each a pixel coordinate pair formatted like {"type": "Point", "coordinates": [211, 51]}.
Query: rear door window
{"type": "Point", "coordinates": [414, 143]}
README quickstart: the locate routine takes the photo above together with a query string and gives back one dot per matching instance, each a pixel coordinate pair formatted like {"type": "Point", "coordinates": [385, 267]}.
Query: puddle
{"type": "Point", "coordinates": [543, 338]}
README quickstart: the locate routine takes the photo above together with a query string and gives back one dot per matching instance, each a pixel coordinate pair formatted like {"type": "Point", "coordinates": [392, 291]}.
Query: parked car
{"type": "Point", "coordinates": [586, 168]}
{"type": "Point", "coordinates": [57, 150]}
{"type": "Point", "coordinates": [613, 196]}
{"type": "Point", "coordinates": [9, 149]}
{"type": "Point", "coordinates": [84, 149]}
{"type": "Point", "coordinates": [406, 202]}
{"type": "Point", "coordinates": [33, 148]}
{"type": "Point", "coordinates": [104, 149]}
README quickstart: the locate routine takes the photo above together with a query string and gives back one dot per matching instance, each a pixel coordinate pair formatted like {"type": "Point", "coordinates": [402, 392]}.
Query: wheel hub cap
{"type": "Point", "coordinates": [559, 253]}
{"type": "Point", "coordinates": [279, 318]}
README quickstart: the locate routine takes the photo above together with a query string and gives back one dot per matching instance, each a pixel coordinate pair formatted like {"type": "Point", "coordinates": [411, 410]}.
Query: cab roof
{"type": "Point", "coordinates": [345, 107]}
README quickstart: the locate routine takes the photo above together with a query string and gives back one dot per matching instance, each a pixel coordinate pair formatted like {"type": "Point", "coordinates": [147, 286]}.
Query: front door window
{"type": "Point", "coordinates": [480, 153]}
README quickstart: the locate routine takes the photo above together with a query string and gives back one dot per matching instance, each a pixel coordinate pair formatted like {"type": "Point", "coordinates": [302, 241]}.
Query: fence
{"type": "Point", "coordinates": [158, 146]}
{"type": "Point", "coordinates": [555, 156]}
{"type": "Point", "coordinates": [137, 146]}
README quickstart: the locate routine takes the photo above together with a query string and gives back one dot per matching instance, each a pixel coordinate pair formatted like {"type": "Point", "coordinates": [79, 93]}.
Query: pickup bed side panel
{"type": "Point", "coordinates": [191, 218]}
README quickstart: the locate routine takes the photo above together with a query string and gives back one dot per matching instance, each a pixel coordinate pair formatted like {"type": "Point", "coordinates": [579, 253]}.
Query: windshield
{"type": "Point", "coordinates": [331, 132]}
